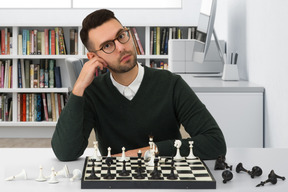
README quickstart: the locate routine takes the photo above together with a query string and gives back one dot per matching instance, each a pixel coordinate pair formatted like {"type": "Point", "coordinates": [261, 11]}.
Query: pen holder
{"type": "Point", "coordinates": [230, 72]}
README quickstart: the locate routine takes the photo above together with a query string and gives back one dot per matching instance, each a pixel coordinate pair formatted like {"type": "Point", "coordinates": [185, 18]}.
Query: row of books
{"type": "Point", "coordinates": [43, 75]}
{"type": "Point", "coordinates": [159, 37]}
{"type": "Point", "coordinates": [6, 71]}
{"type": "Point", "coordinates": [5, 107]}
{"type": "Point", "coordinates": [39, 106]}
{"type": "Point", "coordinates": [47, 42]}
{"type": "Point", "coordinates": [5, 41]}
{"type": "Point", "coordinates": [137, 42]}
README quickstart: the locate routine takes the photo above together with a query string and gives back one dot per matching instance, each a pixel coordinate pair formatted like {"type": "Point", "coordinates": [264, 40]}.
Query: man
{"type": "Point", "coordinates": [130, 102]}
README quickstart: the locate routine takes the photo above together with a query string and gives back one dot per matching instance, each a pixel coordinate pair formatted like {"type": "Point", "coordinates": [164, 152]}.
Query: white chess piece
{"type": "Point", "coordinates": [178, 156]}
{"type": "Point", "coordinates": [63, 172]}
{"type": "Point", "coordinates": [152, 158]}
{"type": "Point", "coordinates": [191, 155]}
{"type": "Point", "coordinates": [123, 157]}
{"type": "Point", "coordinates": [21, 175]}
{"type": "Point", "coordinates": [76, 175]}
{"type": "Point", "coordinates": [41, 177]}
{"type": "Point", "coordinates": [97, 155]}
{"type": "Point", "coordinates": [53, 178]}
{"type": "Point", "coordinates": [109, 152]}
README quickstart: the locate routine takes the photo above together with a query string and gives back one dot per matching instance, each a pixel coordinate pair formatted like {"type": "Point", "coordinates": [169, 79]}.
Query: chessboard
{"type": "Point", "coordinates": [190, 174]}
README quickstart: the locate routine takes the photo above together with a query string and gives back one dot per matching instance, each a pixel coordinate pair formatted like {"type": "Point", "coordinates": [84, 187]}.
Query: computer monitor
{"type": "Point", "coordinates": [187, 54]}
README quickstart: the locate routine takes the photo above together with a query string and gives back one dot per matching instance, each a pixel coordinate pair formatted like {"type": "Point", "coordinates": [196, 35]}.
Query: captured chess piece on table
{"type": "Point", "coordinates": [220, 163]}
{"type": "Point", "coordinates": [227, 176]}
{"type": "Point", "coordinates": [41, 177]}
{"type": "Point", "coordinates": [76, 175]}
{"type": "Point", "coordinates": [272, 178]}
{"type": "Point", "coordinates": [256, 171]}
{"type": "Point", "coordinates": [53, 178]}
{"type": "Point", "coordinates": [21, 176]}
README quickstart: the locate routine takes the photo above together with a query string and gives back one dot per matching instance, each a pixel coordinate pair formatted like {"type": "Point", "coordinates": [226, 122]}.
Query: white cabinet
{"type": "Point", "coordinates": [239, 115]}
{"type": "Point", "coordinates": [237, 106]}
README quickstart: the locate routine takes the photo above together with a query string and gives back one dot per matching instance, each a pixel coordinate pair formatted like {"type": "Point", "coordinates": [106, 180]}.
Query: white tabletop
{"type": "Point", "coordinates": [216, 84]}
{"type": "Point", "coordinates": [13, 160]}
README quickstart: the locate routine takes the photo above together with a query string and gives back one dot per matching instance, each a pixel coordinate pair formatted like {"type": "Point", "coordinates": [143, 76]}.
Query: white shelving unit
{"type": "Point", "coordinates": [8, 129]}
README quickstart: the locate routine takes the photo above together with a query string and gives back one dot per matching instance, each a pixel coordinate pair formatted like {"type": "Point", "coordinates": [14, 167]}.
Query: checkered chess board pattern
{"type": "Point", "coordinates": [191, 174]}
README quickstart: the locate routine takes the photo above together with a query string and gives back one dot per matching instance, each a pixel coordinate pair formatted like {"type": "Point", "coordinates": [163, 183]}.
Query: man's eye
{"type": "Point", "coordinates": [107, 45]}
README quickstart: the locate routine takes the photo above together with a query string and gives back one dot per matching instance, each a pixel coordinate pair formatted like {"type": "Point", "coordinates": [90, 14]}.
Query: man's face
{"type": "Point", "coordinates": [123, 58]}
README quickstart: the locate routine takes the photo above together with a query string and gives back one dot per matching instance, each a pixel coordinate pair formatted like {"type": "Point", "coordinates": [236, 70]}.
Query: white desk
{"type": "Point", "coordinates": [14, 160]}
{"type": "Point", "coordinates": [237, 106]}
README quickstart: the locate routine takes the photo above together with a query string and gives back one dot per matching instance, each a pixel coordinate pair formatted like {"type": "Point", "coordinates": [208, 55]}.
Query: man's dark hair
{"type": "Point", "coordinates": [94, 20]}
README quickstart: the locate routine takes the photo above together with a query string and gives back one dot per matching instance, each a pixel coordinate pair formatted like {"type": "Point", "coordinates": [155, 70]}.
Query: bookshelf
{"type": "Point", "coordinates": [31, 129]}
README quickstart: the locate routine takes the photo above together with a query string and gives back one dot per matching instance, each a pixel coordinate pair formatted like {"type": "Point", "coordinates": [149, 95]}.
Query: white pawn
{"type": "Point", "coordinates": [109, 152]}
{"type": "Point", "coordinates": [191, 155]}
{"type": "Point", "coordinates": [178, 156]}
{"type": "Point", "coordinates": [97, 155]}
{"type": "Point", "coordinates": [41, 177]}
{"type": "Point", "coordinates": [123, 157]}
{"type": "Point", "coordinates": [21, 175]}
{"type": "Point", "coordinates": [76, 175]}
{"type": "Point", "coordinates": [53, 178]}
{"type": "Point", "coordinates": [63, 172]}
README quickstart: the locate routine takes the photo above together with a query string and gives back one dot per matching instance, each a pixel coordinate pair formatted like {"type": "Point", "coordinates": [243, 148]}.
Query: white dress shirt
{"type": "Point", "coordinates": [130, 91]}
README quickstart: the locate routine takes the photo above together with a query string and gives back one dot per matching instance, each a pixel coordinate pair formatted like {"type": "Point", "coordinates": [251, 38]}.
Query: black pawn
{"type": "Point", "coordinates": [272, 180]}
{"type": "Point", "coordinates": [272, 174]}
{"type": "Point", "coordinates": [172, 175]}
{"type": "Point", "coordinates": [109, 162]}
{"type": "Point", "coordinates": [124, 172]}
{"type": "Point", "coordinates": [156, 173]}
{"type": "Point", "coordinates": [139, 174]}
{"type": "Point", "coordinates": [227, 176]}
{"type": "Point", "coordinates": [93, 174]}
{"type": "Point", "coordinates": [256, 171]}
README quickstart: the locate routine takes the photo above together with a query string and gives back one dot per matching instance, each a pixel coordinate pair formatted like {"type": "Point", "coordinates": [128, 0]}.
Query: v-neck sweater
{"type": "Point", "coordinates": [162, 102]}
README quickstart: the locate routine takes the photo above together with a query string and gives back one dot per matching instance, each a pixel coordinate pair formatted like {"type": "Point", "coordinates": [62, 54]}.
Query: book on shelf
{"type": "Point", "coordinates": [35, 75]}
{"type": "Point", "coordinates": [6, 41]}
{"type": "Point", "coordinates": [158, 64]}
{"type": "Point", "coordinates": [73, 42]}
{"type": "Point", "coordinates": [159, 37]}
{"type": "Point", "coordinates": [137, 41]}
{"type": "Point", "coordinates": [5, 107]}
{"type": "Point", "coordinates": [47, 42]}
{"type": "Point", "coordinates": [6, 73]}
{"type": "Point", "coordinates": [39, 106]}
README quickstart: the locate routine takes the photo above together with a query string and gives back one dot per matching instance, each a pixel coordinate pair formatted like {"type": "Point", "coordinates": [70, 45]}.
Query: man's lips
{"type": "Point", "coordinates": [125, 58]}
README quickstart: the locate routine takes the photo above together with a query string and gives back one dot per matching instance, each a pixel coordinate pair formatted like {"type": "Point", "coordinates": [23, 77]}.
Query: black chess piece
{"type": "Point", "coordinates": [256, 171]}
{"type": "Point", "coordinates": [109, 162]}
{"type": "Point", "coordinates": [139, 167]}
{"type": "Point", "coordinates": [271, 179]}
{"type": "Point", "coordinates": [93, 174]}
{"type": "Point", "coordinates": [220, 163]}
{"type": "Point", "coordinates": [227, 176]}
{"type": "Point", "coordinates": [272, 173]}
{"type": "Point", "coordinates": [172, 175]}
{"type": "Point", "coordinates": [156, 174]}
{"type": "Point", "coordinates": [124, 172]}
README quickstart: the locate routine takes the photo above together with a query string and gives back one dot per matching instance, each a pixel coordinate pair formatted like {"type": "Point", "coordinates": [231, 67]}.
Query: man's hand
{"type": "Point", "coordinates": [133, 152]}
{"type": "Point", "coordinates": [87, 73]}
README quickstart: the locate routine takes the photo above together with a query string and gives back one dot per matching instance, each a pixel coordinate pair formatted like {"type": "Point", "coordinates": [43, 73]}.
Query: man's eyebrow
{"type": "Point", "coordinates": [119, 31]}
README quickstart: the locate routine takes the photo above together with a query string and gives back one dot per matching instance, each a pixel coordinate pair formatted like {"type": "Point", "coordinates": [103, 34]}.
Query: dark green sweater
{"type": "Point", "coordinates": [162, 103]}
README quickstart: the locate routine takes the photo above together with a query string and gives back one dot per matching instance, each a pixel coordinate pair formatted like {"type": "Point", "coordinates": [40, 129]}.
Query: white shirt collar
{"type": "Point", "coordinates": [130, 91]}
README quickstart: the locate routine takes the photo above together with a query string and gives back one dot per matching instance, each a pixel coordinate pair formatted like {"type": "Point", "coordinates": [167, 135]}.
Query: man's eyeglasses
{"type": "Point", "coordinates": [109, 46]}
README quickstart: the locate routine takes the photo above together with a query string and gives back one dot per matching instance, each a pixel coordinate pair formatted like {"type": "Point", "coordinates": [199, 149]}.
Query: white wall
{"type": "Point", "coordinates": [258, 30]}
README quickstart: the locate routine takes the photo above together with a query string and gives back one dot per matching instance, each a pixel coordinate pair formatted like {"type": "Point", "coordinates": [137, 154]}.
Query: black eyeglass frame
{"type": "Point", "coordinates": [113, 41]}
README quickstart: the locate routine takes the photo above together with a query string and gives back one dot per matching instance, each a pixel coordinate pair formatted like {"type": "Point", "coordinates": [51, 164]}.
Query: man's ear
{"type": "Point", "coordinates": [90, 55]}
